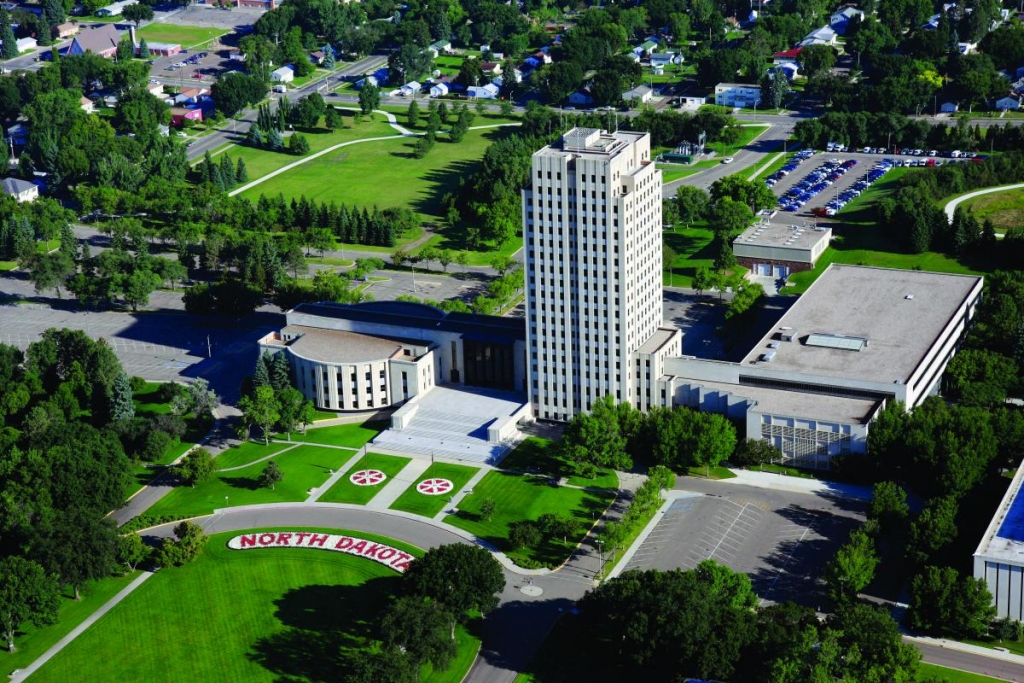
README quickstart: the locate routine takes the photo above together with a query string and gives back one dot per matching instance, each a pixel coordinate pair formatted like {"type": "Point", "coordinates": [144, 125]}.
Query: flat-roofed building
{"type": "Point", "coordinates": [778, 249]}
{"type": "Point", "coordinates": [999, 559]}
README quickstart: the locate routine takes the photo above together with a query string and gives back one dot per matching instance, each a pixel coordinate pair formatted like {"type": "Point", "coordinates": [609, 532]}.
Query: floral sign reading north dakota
{"type": "Point", "coordinates": [378, 552]}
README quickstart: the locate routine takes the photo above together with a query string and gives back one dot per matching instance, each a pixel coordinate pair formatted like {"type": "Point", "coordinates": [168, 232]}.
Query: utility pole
{"type": "Point", "coordinates": [209, 348]}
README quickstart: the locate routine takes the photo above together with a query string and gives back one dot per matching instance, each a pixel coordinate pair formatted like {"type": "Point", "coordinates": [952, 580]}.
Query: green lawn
{"type": "Point", "coordinates": [303, 467]}
{"type": "Point", "coordinates": [344, 491]}
{"type": "Point", "coordinates": [350, 435]}
{"type": "Point", "coordinates": [32, 642]}
{"type": "Point", "coordinates": [384, 173]}
{"type": "Point", "coordinates": [186, 36]}
{"type": "Point", "coordinates": [861, 241]}
{"type": "Point", "coordinates": [694, 250]}
{"type": "Point", "coordinates": [8, 265]}
{"type": "Point", "coordinates": [146, 402]}
{"type": "Point", "coordinates": [747, 135]}
{"type": "Point", "coordinates": [527, 497]}
{"type": "Point", "coordinates": [540, 456]}
{"type": "Point", "coordinates": [673, 172]}
{"type": "Point", "coordinates": [927, 671]}
{"type": "Point", "coordinates": [715, 472]}
{"type": "Point", "coordinates": [413, 501]}
{"type": "Point", "coordinates": [248, 452]}
{"type": "Point", "coordinates": [258, 616]}
{"type": "Point", "coordinates": [1004, 209]}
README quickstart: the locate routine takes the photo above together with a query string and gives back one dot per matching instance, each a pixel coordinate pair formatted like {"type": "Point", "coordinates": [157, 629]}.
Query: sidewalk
{"type": "Point", "coordinates": [466, 491]}
{"type": "Point", "coordinates": [409, 475]}
{"type": "Point", "coordinates": [338, 474]}
{"type": "Point", "coordinates": [783, 482]}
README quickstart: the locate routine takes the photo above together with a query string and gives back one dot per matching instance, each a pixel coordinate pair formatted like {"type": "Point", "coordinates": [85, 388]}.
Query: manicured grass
{"type": "Point", "coordinates": [540, 456]}
{"type": "Point", "coordinates": [782, 469]}
{"type": "Point", "coordinates": [8, 265]}
{"type": "Point", "coordinates": [747, 135]}
{"type": "Point", "coordinates": [694, 250]}
{"type": "Point", "coordinates": [186, 36]}
{"type": "Point", "coordinates": [385, 174]}
{"type": "Point", "coordinates": [324, 415]}
{"type": "Point", "coordinates": [260, 162]}
{"type": "Point", "coordinates": [330, 261]}
{"type": "Point", "coordinates": [526, 497]}
{"type": "Point", "coordinates": [1004, 209]}
{"type": "Point", "coordinates": [303, 467]}
{"type": "Point", "coordinates": [1016, 647]}
{"type": "Point", "coordinates": [145, 472]}
{"type": "Point", "coordinates": [259, 616]}
{"type": "Point", "coordinates": [146, 402]}
{"type": "Point", "coordinates": [860, 240]}
{"type": "Point", "coordinates": [350, 436]}
{"type": "Point", "coordinates": [413, 501]}
{"type": "Point", "coordinates": [32, 642]}
{"type": "Point", "coordinates": [672, 172]}
{"type": "Point", "coordinates": [344, 491]}
{"type": "Point", "coordinates": [767, 167]}
{"type": "Point", "coordinates": [927, 671]}
{"type": "Point", "coordinates": [715, 472]}
{"type": "Point", "coordinates": [248, 452]}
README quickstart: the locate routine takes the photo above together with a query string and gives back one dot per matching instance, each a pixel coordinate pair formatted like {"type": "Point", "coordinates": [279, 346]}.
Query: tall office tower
{"type": "Point", "coordinates": [592, 228]}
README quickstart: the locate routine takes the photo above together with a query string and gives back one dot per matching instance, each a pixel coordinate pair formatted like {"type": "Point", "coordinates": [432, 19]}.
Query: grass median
{"type": "Point", "coordinates": [418, 503]}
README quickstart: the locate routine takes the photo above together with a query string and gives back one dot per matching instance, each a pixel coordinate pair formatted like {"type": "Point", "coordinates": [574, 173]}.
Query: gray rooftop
{"type": "Point", "coordinates": [15, 186]}
{"type": "Point", "coordinates": [333, 346]}
{"type": "Point", "coordinates": [98, 39]}
{"type": "Point", "coordinates": [781, 402]}
{"type": "Point", "coordinates": [781, 236]}
{"type": "Point", "coordinates": [661, 336]}
{"type": "Point", "coordinates": [1000, 542]}
{"type": "Point", "coordinates": [592, 141]}
{"type": "Point", "coordinates": [901, 313]}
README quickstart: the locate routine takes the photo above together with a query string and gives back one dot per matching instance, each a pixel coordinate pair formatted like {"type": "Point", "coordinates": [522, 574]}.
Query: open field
{"type": "Point", "coordinates": [267, 615]}
{"type": "Point", "coordinates": [32, 642]}
{"type": "Point", "coordinates": [1004, 209]}
{"type": "Point", "coordinates": [344, 491]}
{"type": "Point", "coordinates": [383, 173]}
{"type": "Point", "coordinates": [524, 497]}
{"type": "Point", "coordinates": [186, 36]}
{"type": "Point", "coordinates": [349, 436]}
{"type": "Point", "coordinates": [540, 456]}
{"type": "Point", "coordinates": [859, 240]}
{"type": "Point", "coordinates": [417, 503]}
{"type": "Point", "coordinates": [694, 250]}
{"type": "Point", "coordinates": [304, 468]}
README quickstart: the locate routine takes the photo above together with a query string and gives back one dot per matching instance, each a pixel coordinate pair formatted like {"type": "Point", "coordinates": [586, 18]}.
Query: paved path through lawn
{"type": "Point", "coordinates": [401, 481]}
{"type": "Point", "coordinates": [951, 205]}
{"type": "Point", "coordinates": [258, 460]}
{"type": "Point", "coordinates": [22, 674]}
{"type": "Point", "coordinates": [326, 486]}
{"type": "Point", "coordinates": [764, 166]}
{"type": "Point", "coordinates": [466, 490]}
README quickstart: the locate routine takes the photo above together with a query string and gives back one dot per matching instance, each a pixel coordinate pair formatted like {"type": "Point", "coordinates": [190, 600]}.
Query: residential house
{"type": "Point", "coordinates": [646, 48]}
{"type": "Point", "coordinates": [737, 95]}
{"type": "Point", "coordinates": [1007, 103]}
{"type": "Point", "coordinates": [663, 59]}
{"type": "Point", "coordinates": [841, 21]}
{"type": "Point", "coordinates": [367, 80]}
{"type": "Point", "coordinates": [790, 69]}
{"type": "Point", "coordinates": [949, 107]}
{"type": "Point", "coordinates": [542, 57]}
{"type": "Point", "coordinates": [162, 130]}
{"type": "Point", "coordinates": [692, 102]}
{"type": "Point", "coordinates": [110, 101]}
{"type": "Point", "coordinates": [641, 93]}
{"type": "Point", "coordinates": [410, 89]}
{"type": "Point", "coordinates": [966, 48]}
{"type": "Point", "coordinates": [439, 90]}
{"type": "Point", "coordinates": [820, 36]}
{"type": "Point", "coordinates": [491, 68]}
{"type": "Point", "coordinates": [26, 44]}
{"type": "Point", "coordinates": [317, 57]}
{"type": "Point", "coordinates": [21, 190]}
{"type": "Point", "coordinates": [483, 92]}
{"type": "Point", "coordinates": [439, 47]}
{"type": "Point", "coordinates": [87, 105]}
{"type": "Point", "coordinates": [581, 97]}
{"type": "Point", "coordinates": [155, 89]}
{"type": "Point", "coordinates": [190, 95]}
{"type": "Point", "coordinates": [113, 10]}
{"type": "Point", "coordinates": [932, 23]}
{"type": "Point", "coordinates": [180, 114]}
{"type": "Point", "coordinates": [285, 74]}
{"type": "Point", "coordinates": [101, 41]}
{"type": "Point", "coordinates": [67, 30]}
{"type": "Point", "coordinates": [791, 55]}
{"type": "Point", "coordinates": [17, 134]}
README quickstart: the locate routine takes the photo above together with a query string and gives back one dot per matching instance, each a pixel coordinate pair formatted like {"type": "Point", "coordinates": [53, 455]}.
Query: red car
{"type": "Point", "coordinates": [197, 75]}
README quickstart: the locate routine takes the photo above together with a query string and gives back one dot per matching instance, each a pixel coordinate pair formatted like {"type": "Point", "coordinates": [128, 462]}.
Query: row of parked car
{"type": "Point", "coordinates": [854, 191]}
{"type": "Point", "coordinates": [816, 182]}
{"type": "Point", "coordinates": [791, 166]}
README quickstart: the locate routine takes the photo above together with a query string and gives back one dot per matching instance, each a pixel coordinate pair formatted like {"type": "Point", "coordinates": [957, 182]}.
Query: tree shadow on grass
{"type": "Point", "coordinates": [241, 483]}
{"type": "Point", "coordinates": [325, 628]}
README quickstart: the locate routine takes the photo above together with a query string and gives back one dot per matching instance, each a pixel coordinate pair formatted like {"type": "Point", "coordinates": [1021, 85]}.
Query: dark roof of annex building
{"type": "Point", "coordinates": [421, 316]}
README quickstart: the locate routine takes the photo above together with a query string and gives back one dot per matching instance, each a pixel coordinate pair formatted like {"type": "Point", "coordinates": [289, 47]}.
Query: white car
{"type": "Point", "coordinates": [728, 160]}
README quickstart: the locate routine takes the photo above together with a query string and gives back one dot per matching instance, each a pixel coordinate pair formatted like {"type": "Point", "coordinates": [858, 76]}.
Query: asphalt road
{"type": "Point", "coordinates": [966, 661]}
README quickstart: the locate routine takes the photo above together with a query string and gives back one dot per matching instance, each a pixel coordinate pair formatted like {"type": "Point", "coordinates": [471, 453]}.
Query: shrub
{"type": "Point", "coordinates": [156, 444]}
{"type": "Point", "coordinates": [136, 383]}
{"type": "Point", "coordinates": [524, 535]}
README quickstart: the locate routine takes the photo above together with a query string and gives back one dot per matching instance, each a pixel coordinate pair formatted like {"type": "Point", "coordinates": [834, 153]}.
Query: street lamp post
{"type": "Point", "coordinates": [600, 550]}
{"type": "Point", "coordinates": [225, 501]}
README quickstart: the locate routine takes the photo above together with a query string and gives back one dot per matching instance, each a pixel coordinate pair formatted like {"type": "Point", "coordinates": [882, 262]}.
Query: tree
{"type": "Point", "coordinates": [459, 576]}
{"type": "Point", "coordinates": [944, 603]}
{"type": "Point", "coordinates": [262, 408]}
{"type": "Point", "coordinates": [755, 195]}
{"type": "Point", "coordinates": [131, 551]}
{"type": "Point", "coordinates": [487, 509]}
{"type": "Point", "coordinates": [196, 467]}
{"type": "Point", "coordinates": [189, 539]}
{"type": "Point", "coordinates": [330, 59]}
{"type": "Point", "coordinates": [77, 546]}
{"type": "Point", "coordinates": [137, 13]}
{"type": "Point", "coordinates": [817, 61]}
{"type": "Point", "coordinates": [668, 258]}
{"type": "Point", "coordinates": [122, 407]}
{"type": "Point", "coordinates": [774, 88]}
{"type": "Point", "coordinates": [333, 119]}
{"type": "Point", "coordinates": [137, 287]}
{"type": "Point", "coordinates": [10, 45]}
{"type": "Point", "coordinates": [524, 534]}
{"type": "Point", "coordinates": [144, 49]}
{"type": "Point", "coordinates": [421, 629]}
{"type": "Point", "coordinates": [369, 98]}
{"type": "Point", "coordinates": [413, 113]}
{"type": "Point", "coordinates": [292, 402]}
{"type": "Point", "coordinates": [728, 217]}
{"type": "Point", "coordinates": [853, 567]}
{"type": "Point", "coordinates": [703, 279]}
{"type": "Point", "coordinates": [751, 452]}
{"type": "Point", "coordinates": [715, 440]}
{"type": "Point", "coordinates": [298, 144]}
{"type": "Point", "coordinates": [50, 271]}
{"type": "Point", "coordinates": [863, 643]}
{"type": "Point", "coordinates": [594, 439]}
{"type": "Point", "coordinates": [270, 475]}
{"type": "Point", "coordinates": [27, 595]}
{"type": "Point", "coordinates": [934, 528]}
{"type": "Point", "coordinates": [888, 504]}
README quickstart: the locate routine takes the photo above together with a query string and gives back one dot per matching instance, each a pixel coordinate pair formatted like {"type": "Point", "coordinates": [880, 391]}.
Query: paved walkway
{"type": "Point", "coordinates": [22, 674]}
{"type": "Point", "coordinates": [951, 205]}
{"type": "Point", "coordinates": [398, 484]}
{"type": "Point", "coordinates": [333, 479]}
{"type": "Point", "coordinates": [784, 482]}
{"type": "Point", "coordinates": [466, 491]}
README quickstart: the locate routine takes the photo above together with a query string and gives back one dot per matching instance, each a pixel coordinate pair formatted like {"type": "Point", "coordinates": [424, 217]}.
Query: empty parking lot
{"type": "Point", "coordinates": [781, 540]}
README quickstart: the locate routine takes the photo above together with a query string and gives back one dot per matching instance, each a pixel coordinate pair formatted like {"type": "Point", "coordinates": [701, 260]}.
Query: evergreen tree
{"type": "Point", "coordinates": [44, 32]}
{"type": "Point", "coordinates": [280, 372]}
{"type": "Point", "coordinates": [122, 407]}
{"type": "Point", "coordinates": [10, 45]}
{"type": "Point", "coordinates": [274, 140]}
{"type": "Point", "coordinates": [125, 50]}
{"type": "Point", "coordinates": [413, 114]}
{"type": "Point", "coordinates": [227, 172]}
{"type": "Point", "coordinates": [254, 138]}
{"type": "Point", "coordinates": [298, 144]}
{"type": "Point", "coordinates": [261, 376]}
{"type": "Point", "coordinates": [329, 59]}
{"type": "Point", "coordinates": [241, 175]}
{"type": "Point", "coordinates": [54, 12]}
{"type": "Point", "coordinates": [143, 49]}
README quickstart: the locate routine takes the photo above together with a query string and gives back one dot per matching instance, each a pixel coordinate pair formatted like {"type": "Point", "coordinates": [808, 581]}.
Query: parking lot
{"type": "Point", "coordinates": [781, 540]}
{"type": "Point", "coordinates": [865, 162]}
